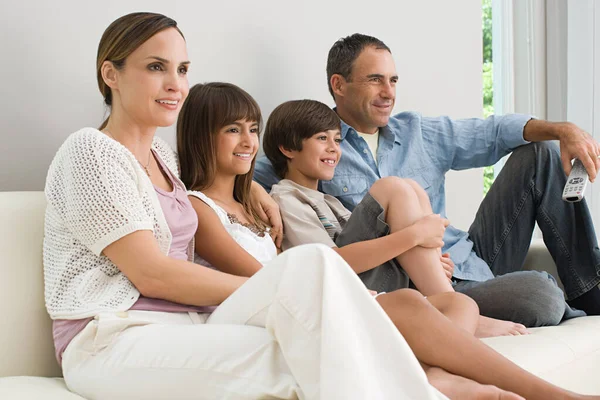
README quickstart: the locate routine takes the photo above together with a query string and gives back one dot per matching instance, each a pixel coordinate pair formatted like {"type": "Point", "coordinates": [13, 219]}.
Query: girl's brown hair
{"type": "Point", "coordinates": [122, 38]}
{"type": "Point", "coordinates": [208, 108]}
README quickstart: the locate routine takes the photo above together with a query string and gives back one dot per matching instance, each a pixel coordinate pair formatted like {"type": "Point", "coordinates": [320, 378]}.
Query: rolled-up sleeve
{"type": "Point", "coordinates": [300, 222]}
{"type": "Point", "coordinates": [474, 142]}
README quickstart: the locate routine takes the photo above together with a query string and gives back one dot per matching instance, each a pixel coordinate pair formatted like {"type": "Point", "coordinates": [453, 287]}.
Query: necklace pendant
{"type": "Point", "coordinates": [145, 167]}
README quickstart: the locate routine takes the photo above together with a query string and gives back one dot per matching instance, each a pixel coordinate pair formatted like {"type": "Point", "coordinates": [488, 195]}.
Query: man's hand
{"type": "Point", "coordinates": [574, 143]}
{"type": "Point", "coordinates": [448, 265]}
{"type": "Point", "coordinates": [577, 143]}
{"type": "Point", "coordinates": [268, 210]}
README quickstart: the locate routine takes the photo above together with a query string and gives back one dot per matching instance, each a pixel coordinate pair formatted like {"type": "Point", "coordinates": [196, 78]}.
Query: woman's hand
{"type": "Point", "coordinates": [268, 210]}
{"type": "Point", "coordinates": [430, 230]}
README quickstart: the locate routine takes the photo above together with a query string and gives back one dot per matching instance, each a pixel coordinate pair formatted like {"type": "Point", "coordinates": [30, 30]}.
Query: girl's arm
{"type": "Point", "coordinates": [156, 275]}
{"type": "Point", "coordinates": [215, 244]}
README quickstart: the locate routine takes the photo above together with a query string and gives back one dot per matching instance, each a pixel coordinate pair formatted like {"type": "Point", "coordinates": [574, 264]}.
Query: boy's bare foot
{"type": "Point", "coordinates": [457, 387]}
{"type": "Point", "coordinates": [489, 327]}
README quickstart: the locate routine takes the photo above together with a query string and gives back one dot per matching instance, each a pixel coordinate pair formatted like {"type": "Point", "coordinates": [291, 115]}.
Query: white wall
{"type": "Point", "coordinates": [276, 50]}
{"type": "Point", "coordinates": [582, 89]}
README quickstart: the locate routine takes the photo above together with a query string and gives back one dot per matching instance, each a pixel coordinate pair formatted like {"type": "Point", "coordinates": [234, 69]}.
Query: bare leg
{"type": "Point", "coordinates": [488, 327]}
{"type": "Point", "coordinates": [403, 208]}
{"type": "Point", "coordinates": [463, 312]}
{"type": "Point", "coordinates": [438, 342]}
{"type": "Point", "coordinates": [458, 387]}
{"type": "Point", "coordinates": [422, 266]}
{"type": "Point", "coordinates": [458, 308]}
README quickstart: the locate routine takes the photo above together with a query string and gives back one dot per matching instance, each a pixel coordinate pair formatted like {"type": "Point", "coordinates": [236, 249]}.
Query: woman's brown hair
{"type": "Point", "coordinates": [208, 108]}
{"type": "Point", "coordinates": [122, 38]}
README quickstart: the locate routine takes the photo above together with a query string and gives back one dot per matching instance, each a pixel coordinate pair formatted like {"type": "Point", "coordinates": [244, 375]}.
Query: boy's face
{"type": "Point", "coordinates": [319, 155]}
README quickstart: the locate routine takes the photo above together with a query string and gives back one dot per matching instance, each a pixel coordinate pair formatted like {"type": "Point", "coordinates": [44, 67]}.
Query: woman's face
{"type": "Point", "coordinates": [153, 84]}
{"type": "Point", "coordinates": [237, 144]}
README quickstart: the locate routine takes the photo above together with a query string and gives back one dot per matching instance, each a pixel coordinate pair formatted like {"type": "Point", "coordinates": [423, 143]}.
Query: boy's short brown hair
{"type": "Point", "coordinates": [292, 122]}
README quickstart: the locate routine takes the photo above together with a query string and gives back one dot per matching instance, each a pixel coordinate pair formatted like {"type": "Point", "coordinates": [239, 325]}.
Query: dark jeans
{"type": "Point", "coordinates": [528, 190]}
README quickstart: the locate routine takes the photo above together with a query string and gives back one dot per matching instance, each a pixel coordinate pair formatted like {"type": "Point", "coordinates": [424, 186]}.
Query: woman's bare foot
{"type": "Point", "coordinates": [489, 327]}
{"type": "Point", "coordinates": [457, 387]}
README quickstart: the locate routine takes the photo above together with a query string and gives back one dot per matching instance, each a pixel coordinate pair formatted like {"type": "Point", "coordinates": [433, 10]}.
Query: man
{"type": "Point", "coordinates": [362, 80]}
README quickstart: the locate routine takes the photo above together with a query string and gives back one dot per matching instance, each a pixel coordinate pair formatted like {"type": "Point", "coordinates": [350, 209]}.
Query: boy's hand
{"type": "Point", "coordinates": [268, 210]}
{"type": "Point", "coordinates": [430, 230]}
{"type": "Point", "coordinates": [448, 265]}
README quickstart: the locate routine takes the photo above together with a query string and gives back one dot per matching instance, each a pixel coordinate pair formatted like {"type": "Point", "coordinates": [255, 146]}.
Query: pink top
{"type": "Point", "coordinates": [183, 222]}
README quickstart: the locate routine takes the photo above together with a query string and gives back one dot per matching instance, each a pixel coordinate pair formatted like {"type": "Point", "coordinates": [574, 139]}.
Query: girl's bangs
{"type": "Point", "coordinates": [238, 105]}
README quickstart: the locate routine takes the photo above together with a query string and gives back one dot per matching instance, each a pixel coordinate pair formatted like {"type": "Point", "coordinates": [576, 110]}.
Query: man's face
{"type": "Point", "coordinates": [366, 100]}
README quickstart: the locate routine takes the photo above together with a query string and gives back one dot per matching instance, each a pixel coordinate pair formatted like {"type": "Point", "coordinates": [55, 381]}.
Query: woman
{"type": "Point", "coordinates": [135, 319]}
{"type": "Point", "coordinates": [217, 139]}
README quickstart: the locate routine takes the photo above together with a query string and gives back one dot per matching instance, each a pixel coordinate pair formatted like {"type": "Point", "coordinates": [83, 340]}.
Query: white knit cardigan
{"type": "Point", "coordinates": [97, 193]}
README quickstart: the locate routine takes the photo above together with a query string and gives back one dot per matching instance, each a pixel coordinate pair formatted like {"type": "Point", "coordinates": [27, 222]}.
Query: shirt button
{"type": "Point", "coordinates": [366, 151]}
{"type": "Point", "coordinates": [345, 189]}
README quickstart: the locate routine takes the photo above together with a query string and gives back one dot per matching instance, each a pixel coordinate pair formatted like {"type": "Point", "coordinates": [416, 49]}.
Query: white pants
{"type": "Point", "coordinates": [303, 327]}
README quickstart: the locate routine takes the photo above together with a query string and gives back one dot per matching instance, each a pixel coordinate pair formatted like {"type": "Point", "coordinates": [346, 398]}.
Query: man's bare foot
{"type": "Point", "coordinates": [489, 327]}
{"type": "Point", "coordinates": [457, 387]}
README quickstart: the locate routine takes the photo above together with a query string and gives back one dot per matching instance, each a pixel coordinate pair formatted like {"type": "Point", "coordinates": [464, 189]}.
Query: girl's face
{"type": "Point", "coordinates": [237, 144]}
{"type": "Point", "coordinates": [153, 84]}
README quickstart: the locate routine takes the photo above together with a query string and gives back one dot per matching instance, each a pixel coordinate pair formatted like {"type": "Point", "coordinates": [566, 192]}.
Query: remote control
{"type": "Point", "coordinates": [576, 183]}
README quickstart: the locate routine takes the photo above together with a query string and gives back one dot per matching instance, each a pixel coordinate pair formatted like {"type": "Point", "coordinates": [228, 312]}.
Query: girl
{"type": "Point", "coordinates": [217, 140]}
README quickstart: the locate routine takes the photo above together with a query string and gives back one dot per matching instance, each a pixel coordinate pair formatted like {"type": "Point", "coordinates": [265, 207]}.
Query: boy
{"type": "Point", "coordinates": [302, 142]}
{"type": "Point", "coordinates": [391, 240]}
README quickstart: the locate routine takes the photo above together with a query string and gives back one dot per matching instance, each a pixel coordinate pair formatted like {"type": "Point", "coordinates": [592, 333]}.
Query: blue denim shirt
{"type": "Point", "coordinates": [423, 149]}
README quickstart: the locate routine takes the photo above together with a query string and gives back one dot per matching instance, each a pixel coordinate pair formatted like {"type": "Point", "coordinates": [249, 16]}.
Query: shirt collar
{"type": "Point", "coordinates": [383, 131]}
{"type": "Point", "coordinates": [345, 127]}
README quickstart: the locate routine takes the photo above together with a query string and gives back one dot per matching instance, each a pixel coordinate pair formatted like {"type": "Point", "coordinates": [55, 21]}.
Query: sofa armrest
{"type": "Point", "coordinates": [26, 345]}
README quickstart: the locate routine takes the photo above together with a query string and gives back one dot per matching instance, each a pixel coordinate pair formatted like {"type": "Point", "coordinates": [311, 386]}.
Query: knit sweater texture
{"type": "Point", "coordinates": [96, 193]}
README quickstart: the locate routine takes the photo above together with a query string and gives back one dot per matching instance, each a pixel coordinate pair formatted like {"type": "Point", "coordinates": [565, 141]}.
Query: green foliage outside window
{"type": "Point", "coordinates": [488, 88]}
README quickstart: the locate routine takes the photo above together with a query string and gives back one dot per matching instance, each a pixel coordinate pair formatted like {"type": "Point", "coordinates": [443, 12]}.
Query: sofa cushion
{"type": "Point", "coordinates": [567, 355]}
{"type": "Point", "coordinates": [32, 388]}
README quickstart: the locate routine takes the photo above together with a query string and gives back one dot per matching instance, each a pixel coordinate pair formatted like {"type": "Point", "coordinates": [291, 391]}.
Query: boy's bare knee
{"type": "Point", "coordinates": [388, 187]}
{"type": "Point", "coordinates": [417, 188]}
{"type": "Point", "coordinates": [384, 184]}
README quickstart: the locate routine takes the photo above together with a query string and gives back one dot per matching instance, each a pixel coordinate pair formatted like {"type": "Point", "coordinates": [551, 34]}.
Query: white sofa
{"type": "Point", "coordinates": [567, 355]}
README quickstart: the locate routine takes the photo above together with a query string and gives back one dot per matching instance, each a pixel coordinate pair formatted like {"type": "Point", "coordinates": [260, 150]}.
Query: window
{"type": "Point", "coordinates": [488, 82]}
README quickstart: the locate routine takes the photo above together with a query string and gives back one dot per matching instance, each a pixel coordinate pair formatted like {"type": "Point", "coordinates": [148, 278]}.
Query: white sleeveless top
{"type": "Point", "coordinates": [261, 248]}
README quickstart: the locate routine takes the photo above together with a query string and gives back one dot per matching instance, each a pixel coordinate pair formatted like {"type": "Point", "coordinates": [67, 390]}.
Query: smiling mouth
{"type": "Point", "coordinates": [168, 102]}
{"type": "Point", "coordinates": [329, 162]}
{"type": "Point", "coordinates": [243, 156]}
